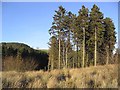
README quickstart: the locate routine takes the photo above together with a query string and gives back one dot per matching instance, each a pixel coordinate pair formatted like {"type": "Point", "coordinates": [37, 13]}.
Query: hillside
{"type": "Point", "coordinates": [92, 77]}
{"type": "Point", "coordinates": [22, 55]}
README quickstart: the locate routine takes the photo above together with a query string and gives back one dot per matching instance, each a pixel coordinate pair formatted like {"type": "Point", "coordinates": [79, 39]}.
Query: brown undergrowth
{"type": "Point", "coordinates": [90, 77]}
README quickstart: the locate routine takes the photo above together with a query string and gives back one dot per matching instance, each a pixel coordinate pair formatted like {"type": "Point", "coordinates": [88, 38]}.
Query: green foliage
{"type": "Point", "coordinates": [61, 30]}
{"type": "Point", "coordinates": [53, 53]}
{"type": "Point", "coordinates": [109, 34]}
{"type": "Point", "coordinates": [24, 53]}
{"type": "Point", "coordinates": [84, 39]}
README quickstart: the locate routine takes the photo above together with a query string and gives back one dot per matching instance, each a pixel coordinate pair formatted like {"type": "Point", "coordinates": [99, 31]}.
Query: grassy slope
{"type": "Point", "coordinates": [44, 50]}
{"type": "Point", "coordinates": [100, 76]}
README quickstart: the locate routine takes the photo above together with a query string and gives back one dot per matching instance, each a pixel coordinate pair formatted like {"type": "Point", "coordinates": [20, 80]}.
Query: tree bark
{"type": "Point", "coordinates": [59, 53]}
{"type": "Point", "coordinates": [73, 63]}
{"type": "Point", "coordinates": [52, 63]}
{"type": "Point", "coordinates": [49, 65]}
{"type": "Point", "coordinates": [77, 54]}
{"type": "Point", "coordinates": [95, 48]}
{"type": "Point", "coordinates": [87, 61]}
{"type": "Point", "coordinates": [73, 56]}
{"type": "Point", "coordinates": [66, 57]}
{"type": "Point", "coordinates": [107, 55]}
{"type": "Point", "coordinates": [83, 62]}
{"type": "Point", "coordinates": [63, 55]}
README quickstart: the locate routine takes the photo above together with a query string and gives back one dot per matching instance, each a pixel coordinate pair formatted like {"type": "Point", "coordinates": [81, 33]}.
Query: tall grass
{"type": "Point", "coordinates": [92, 77]}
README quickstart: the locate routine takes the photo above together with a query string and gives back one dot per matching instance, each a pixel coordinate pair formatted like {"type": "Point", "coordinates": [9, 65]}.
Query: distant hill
{"type": "Point", "coordinates": [24, 52]}
{"type": "Point", "coordinates": [44, 50]}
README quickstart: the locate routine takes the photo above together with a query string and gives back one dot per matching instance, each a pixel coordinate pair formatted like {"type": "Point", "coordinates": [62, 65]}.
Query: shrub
{"type": "Point", "coordinates": [16, 64]}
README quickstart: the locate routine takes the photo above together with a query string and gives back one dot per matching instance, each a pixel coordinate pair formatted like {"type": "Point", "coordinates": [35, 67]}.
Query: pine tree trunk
{"type": "Point", "coordinates": [78, 62]}
{"type": "Point", "coordinates": [95, 47]}
{"type": "Point", "coordinates": [59, 54]}
{"type": "Point", "coordinates": [52, 63]}
{"type": "Point", "coordinates": [73, 63]}
{"type": "Point", "coordinates": [116, 58]}
{"type": "Point", "coordinates": [87, 61]}
{"type": "Point", "coordinates": [73, 56]}
{"type": "Point", "coordinates": [83, 48]}
{"type": "Point", "coordinates": [48, 65]}
{"type": "Point", "coordinates": [107, 56]}
{"type": "Point", "coordinates": [77, 55]}
{"type": "Point", "coordinates": [63, 56]}
{"type": "Point", "coordinates": [66, 56]}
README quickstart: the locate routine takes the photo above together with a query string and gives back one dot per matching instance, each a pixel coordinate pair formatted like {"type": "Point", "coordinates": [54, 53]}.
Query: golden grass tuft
{"type": "Point", "coordinates": [89, 77]}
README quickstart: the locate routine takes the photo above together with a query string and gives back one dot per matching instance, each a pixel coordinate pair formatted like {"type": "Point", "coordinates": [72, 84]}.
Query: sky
{"type": "Point", "coordinates": [29, 22]}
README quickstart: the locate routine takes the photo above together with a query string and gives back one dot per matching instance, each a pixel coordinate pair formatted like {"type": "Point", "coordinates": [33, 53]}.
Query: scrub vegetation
{"type": "Point", "coordinates": [92, 77]}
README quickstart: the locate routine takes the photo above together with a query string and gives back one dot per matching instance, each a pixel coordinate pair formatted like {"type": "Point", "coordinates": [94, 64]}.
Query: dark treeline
{"type": "Point", "coordinates": [21, 57]}
{"type": "Point", "coordinates": [81, 40]}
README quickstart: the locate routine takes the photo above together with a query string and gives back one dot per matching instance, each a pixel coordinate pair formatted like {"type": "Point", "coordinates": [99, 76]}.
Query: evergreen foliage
{"type": "Point", "coordinates": [11, 52]}
{"type": "Point", "coordinates": [82, 40]}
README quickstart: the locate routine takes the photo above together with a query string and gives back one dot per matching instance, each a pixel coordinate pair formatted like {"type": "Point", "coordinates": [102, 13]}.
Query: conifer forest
{"type": "Point", "coordinates": [81, 40]}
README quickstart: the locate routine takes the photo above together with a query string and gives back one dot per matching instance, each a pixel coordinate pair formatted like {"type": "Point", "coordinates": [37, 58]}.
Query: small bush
{"type": "Point", "coordinates": [17, 64]}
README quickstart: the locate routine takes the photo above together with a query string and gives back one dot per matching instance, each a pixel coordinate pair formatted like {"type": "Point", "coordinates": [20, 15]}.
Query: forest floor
{"type": "Point", "coordinates": [90, 77]}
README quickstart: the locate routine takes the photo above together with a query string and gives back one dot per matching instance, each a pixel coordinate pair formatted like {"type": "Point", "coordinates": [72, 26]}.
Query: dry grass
{"type": "Point", "coordinates": [90, 77]}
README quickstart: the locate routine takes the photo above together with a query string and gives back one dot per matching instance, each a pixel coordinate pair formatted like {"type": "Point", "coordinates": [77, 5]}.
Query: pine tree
{"type": "Point", "coordinates": [109, 37]}
{"type": "Point", "coordinates": [81, 40]}
{"type": "Point", "coordinates": [96, 27]}
{"type": "Point", "coordinates": [75, 34]}
{"type": "Point", "coordinates": [57, 28]}
{"type": "Point", "coordinates": [68, 47]}
{"type": "Point", "coordinates": [53, 52]}
{"type": "Point", "coordinates": [83, 20]}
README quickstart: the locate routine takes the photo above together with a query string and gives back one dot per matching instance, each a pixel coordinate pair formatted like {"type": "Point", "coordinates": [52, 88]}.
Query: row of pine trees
{"type": "Point", "coordinates": [81, 40]}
